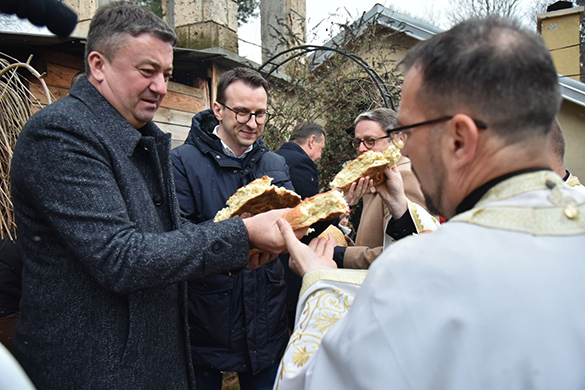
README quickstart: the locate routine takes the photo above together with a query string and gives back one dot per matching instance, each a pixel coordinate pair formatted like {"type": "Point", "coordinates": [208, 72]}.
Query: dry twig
{"type": "Point", "coordinates": [16, 106]}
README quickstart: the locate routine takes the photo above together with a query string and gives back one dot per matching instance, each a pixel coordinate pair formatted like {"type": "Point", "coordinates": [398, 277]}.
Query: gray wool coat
{"type": "Point", "coordinates": [105, 252]}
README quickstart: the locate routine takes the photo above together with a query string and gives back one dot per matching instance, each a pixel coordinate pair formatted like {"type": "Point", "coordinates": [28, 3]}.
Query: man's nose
{"type": "Point", "coordinates": [252, 122]}
{"type": "Point", "coordinates": [159, 85]}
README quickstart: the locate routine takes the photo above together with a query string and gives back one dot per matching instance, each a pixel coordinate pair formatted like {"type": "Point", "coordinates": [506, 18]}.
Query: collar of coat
{"type": "Point", "coordinates": [113, 125]}
{"type": "Point", "coordinates": [537, 203]}
{"type": "Point", "coordinates": [201, 136]}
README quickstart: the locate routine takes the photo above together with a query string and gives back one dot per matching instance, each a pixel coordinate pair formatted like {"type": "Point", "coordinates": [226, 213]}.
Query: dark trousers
{"type": "Point", "coordinates": [209, 379]}
{"type": "Point", "coordinates": [7, 325]}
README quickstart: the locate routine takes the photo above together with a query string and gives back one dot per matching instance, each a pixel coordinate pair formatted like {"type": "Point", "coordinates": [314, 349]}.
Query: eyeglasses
{"type": "Point", "coordinates": [243, 116]}
{"type": "Point", "coordinates": [394, 132]}
{"type": "Point", "coordinates": [368, 142]}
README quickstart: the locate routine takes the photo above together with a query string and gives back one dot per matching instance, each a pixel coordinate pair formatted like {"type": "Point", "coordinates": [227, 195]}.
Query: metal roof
{"type": "Point", "coordinates": [572, 90]}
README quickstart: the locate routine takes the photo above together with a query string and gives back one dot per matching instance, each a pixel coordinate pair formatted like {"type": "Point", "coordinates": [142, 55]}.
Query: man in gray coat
{"type": "Point", "coordinates": [105, 253]}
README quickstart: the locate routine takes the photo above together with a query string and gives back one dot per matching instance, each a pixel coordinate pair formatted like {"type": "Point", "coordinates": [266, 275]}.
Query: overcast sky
{"type": "Point", "coordinates": [343, 10]}
{"type": "Point", "coordinates": [432, 11]}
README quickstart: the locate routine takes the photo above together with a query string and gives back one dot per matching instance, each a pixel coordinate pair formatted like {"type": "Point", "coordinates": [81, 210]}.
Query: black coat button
{"type": "Point", "coordinates": [216, 247]}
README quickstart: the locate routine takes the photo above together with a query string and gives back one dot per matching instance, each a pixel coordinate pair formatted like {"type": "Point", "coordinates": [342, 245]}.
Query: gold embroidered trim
{"type": "Point", "coordinates": [521, 184]}
{"type": "Point", "coordinates": [415, 217]}
{"type": "Point", "coordinates": [351, 276]}
{"type": "Point", "coordinates": [573, 181]}
{"type": "Point", "coordinates": [553, 220]}
{"type": "Point", "coordinates": [323, 308]}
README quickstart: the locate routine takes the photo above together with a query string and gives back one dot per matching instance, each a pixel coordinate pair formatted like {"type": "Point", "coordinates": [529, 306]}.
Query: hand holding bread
{"type": "Point", "coordinates": [369, 164]}
{"type": "Point", "coordinates": [357, 190]}
{"type": "Point", "coordinates": [259, 196]}
{"type": "Point", "coordinates": [303, 258]}
{"type": "Point", "coordinates": [392, 192]}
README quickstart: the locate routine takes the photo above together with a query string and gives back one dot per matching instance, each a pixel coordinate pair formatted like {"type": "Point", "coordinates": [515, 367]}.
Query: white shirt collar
{"type": "Point", "coordinates": [227, 150]}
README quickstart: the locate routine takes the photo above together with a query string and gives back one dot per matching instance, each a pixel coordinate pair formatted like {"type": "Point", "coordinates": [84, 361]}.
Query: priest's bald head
{"type": "Point", "coordinates": [482, 98]}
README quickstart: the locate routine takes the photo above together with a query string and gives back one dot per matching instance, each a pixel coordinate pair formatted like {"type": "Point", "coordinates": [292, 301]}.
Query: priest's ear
{"type": "Point", "coordinates": [462, 139]}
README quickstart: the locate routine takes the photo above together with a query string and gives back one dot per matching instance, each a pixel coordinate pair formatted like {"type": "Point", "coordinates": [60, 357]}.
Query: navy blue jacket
{"type": "Point", "coordinates": [305, 178]}
{"type": "Point", "coordinates": [303, 171]}
{"type": "Point", "coordinates": [237, 320]}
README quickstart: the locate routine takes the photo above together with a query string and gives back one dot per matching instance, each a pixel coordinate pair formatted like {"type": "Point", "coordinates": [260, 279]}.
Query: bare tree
{"type": "Point", "coordinates": [465, 9]}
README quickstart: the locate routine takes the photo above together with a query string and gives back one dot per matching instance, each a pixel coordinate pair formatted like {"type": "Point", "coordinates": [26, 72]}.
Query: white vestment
{"type": "Point", "coordinates": [423, 222]}
{"type": "Point", "coordinates": [12, 376]}
{"type": "Point", "coordinates": [492, 300]}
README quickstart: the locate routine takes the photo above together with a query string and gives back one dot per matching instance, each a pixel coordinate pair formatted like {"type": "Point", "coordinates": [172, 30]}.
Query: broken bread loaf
{"type": "Point", "coordinates": [337, 234]}
{"type": "Point", "coordinates": [257, 197]}
{"type": "Point", "coordinates": [370, 164]}
{"type": "Point", "coordinates": [320, 207]}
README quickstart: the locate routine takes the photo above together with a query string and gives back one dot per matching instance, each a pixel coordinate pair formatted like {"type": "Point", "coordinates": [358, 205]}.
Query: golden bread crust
{"type": "Point", "coordinates": [370, 164]}
{"type": "Point", "coordinates": [257, 197]}
{"type": "Point", "coordinates": [337, 234]}
{"type": "Point", "coordinates": [320, 207]}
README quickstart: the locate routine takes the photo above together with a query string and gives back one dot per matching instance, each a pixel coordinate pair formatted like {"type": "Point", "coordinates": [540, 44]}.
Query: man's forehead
{"type": "Point", "coordinates": [239, 92]}
{"type": "Point", "coordinates": [149, 49]}
{"type": "Point", "coordinates": [368, 127]}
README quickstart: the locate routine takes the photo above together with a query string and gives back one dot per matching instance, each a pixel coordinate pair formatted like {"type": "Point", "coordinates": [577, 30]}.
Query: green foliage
{"type": "Point", "coordinates": [333, 92]}
{"type": "Point", "coordinates": [154, 5]}
{"type": "Point", "coordinates": [247, 9]}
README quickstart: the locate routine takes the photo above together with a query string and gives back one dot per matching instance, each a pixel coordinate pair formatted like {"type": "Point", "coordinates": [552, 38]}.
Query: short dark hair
{"type": "Point", "coordinates": [491, 69]}
{"type": "Point", "coordinates": [304, 130]}
{"type": "Point", "coordinates": [385, 117]}
{"type": "Point", "coordinates": [76, 78]}
{"type": "Point", "coordinates": [558, 141]}
{"type": "Point", "coordinates": [249, 76]}
{"type": "Point", "coordinates": [114, 20]}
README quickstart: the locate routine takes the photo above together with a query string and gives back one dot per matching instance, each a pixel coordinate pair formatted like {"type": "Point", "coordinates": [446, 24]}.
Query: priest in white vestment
{"type": "Point", "coordinates": [492, 300]}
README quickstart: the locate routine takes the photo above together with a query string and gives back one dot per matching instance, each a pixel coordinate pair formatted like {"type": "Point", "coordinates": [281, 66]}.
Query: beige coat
{"type": "Point", "coordinates": [369, 242]}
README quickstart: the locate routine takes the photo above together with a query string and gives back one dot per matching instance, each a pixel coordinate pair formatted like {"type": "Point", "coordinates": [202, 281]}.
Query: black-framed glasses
{"type": "Point", "coordinates": [394, 132]}
{"type": "Point", "coordinates": [368, 142]}
{"type": "Point", "coordinates": [243, 116]}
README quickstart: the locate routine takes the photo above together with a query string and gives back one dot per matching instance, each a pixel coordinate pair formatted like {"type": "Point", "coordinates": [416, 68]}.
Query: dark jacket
{"type": "Point", "coordinates": [303, 171]}
{"type": "Point", "coordinates": [237, 320]}
{"type": "Point", "coordinates": [104, 250]}
{"type": "Point", "coordinates": [305, 178]}
{"type": "Point", "coordinates": [10, 277]}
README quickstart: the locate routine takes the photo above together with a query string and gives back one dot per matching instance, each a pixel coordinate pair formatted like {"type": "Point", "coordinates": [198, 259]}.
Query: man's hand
{"type": "Point", "coordinates": [392, 192]}
{"type": "Point", "coordinates": [357, 189]}
{"type": "Point", "coordinates": [259, 259]}
{"type": "Point", "coordinates": [317, 255]}
{"type": "Point", "coordinates": [264, 234]}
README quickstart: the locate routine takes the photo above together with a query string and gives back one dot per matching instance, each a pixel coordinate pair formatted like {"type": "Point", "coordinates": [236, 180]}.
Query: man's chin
{"type": "Point", "coordinates": [147, 115]}
{"type": "Point", "coordinates": [247, 141]}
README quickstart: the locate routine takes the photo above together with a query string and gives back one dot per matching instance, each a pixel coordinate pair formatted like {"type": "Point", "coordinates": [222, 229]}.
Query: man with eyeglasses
{"type": "Point", "coordinates": [105, 253]}
{"type": "Point", "coordinates": [383, 219]}
{"type": "Point", "coordinates": [237, 320]}
{"type": "Point", "coordinates": [494, 298]}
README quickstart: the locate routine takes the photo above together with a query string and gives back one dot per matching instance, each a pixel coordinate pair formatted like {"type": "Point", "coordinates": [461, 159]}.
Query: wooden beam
{"type": "Point", "coordinates": [180, 102]}
{"type": "Point", "coordinates": [60, 76]}
{"type": "Point", "coordinates": [166, 115]}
